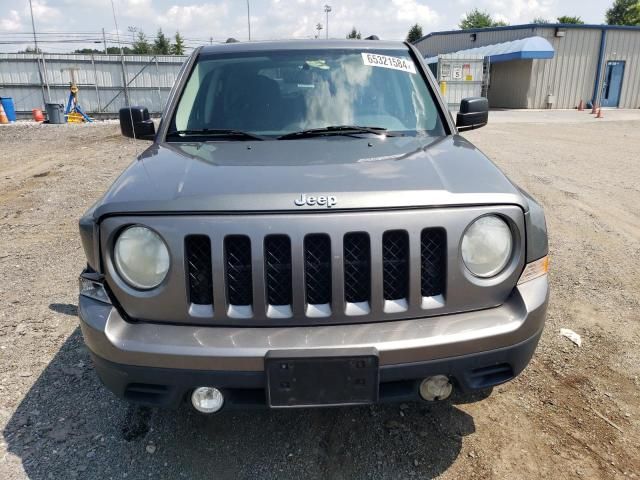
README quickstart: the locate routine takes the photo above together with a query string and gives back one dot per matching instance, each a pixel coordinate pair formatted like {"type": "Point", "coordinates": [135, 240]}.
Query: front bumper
{"type": "Point", "coordinates": [158, 364]}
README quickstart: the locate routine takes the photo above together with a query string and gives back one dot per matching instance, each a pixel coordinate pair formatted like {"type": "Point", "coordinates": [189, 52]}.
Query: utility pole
{"type": "Point", "coordinates": [249, 19]}
{"type": "Point", "coordinates": [37, 52]}
{"type": "Point", "coordinates": [104, 40]}
{"type": "Point", "coordinates": [327, 9]}
{"type": "Point", "coordinates": [124, 71]}
{"type": "Point", "coordinates": [133, 31]}
{"type": "Point", "coordinates": [33, 26]}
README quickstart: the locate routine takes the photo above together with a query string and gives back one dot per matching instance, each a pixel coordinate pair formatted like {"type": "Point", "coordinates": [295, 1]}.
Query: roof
{"type": "Point", "coordinates": [303, 45]}
{"type": "Point", "coordinates": [521, 49]}
{"type": "Point", "coordinates": [531, 26]}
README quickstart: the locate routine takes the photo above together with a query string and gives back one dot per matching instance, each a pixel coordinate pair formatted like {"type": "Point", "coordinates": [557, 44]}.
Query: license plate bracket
{"type": "Point", "coordinates": [314, 378]}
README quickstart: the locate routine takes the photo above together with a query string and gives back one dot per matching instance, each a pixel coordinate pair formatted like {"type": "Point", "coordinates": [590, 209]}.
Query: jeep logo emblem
{"type": "Point", "coordinates": [312, 201]}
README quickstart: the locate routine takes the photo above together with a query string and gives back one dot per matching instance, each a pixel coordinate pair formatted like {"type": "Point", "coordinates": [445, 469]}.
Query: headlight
{"type": "Point", "coordinates": [141, 257]}
{"type": "Point", "coordinates": [486, 246]}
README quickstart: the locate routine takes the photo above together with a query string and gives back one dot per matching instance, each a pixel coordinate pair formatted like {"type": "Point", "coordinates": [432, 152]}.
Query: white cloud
{"type": "Point", "coordinates": [136, 8]}
{"type": "Point", "coordinates": [389, 19]}
{"type": "Point", "coordinates": [43, 13]}
{"type": "Point", "coordinates": [204, 17]}
{"type": "Point", "coordinates": [10, 22]}
{"type": "Point", "coordinates": [521, 11]}
{"type": "Point", "coordinates": [413, 11]}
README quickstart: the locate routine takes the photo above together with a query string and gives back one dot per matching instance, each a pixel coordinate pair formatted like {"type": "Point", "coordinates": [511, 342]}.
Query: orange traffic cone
{"type": "Point", "coordinates": [581, 106]}
{"type": "Point", "coordinates": [37, 115]}
{"type": "Point", "coordinates": [3, 116]}
{"type": "Point", "coordinates": [600, 114]}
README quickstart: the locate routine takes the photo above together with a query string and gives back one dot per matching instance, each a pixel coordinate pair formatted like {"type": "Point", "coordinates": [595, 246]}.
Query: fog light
{"type": "Point", "coordinates": [207, 399]}
{"type": "Point", "coordinates": [437, 387]}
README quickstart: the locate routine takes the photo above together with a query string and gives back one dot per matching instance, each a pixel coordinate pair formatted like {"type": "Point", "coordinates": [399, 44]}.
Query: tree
{"type": "Point", "coordinates": [354, 34]}
{"type": "Point", "coordinates": [88, 50]}
{"type": "Point", "coordinates": [161, 45]}
{"type": "Point", "coordinates": [635, 16]}
{"type": "Point", "coordinates": [540, 20]}
{"type": "Point", "coordinates": [141, 46]}
{"type": "Point", "coordinates": [624, 12]}
{"type": "Point", "coordinates": [31, 50]}
{"type": "Point", "coordinates": [415, 33]}
{"type": "Point", "coordinates": [116, 50]}
{"type": "Point", "coordinates": [570, 20]}
{"type": "Point", "coordinates": [178, 45]}
{"type": "Point", "coordinates": [479, 19]}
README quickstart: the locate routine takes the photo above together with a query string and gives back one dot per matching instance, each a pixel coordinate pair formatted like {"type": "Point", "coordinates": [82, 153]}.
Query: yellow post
{"type": "Point", "coordinates": [443, 88]}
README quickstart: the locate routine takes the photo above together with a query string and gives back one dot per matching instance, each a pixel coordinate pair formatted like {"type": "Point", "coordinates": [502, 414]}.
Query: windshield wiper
{"type": "Point", "coordinates": [215, 132]}
{"type": "Point", "coordinates": [336, 130]}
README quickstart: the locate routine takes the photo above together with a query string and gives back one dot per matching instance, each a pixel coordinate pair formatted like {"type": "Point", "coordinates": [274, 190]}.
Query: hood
{"type": "Point", "coordinates": [260, 176]}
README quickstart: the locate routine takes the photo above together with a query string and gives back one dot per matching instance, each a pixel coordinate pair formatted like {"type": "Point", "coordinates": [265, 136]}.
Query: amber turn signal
{"type": "Point", "coordinates": [534, 270]}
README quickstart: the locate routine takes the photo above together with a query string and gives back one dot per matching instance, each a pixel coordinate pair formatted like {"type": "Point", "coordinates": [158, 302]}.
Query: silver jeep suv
{"type": "Point", "coordinates": [309, 229]}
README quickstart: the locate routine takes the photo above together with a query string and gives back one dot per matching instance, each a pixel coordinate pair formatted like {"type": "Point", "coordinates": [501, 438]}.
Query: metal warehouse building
{"type": "Point", "coordinates": [547, 65]}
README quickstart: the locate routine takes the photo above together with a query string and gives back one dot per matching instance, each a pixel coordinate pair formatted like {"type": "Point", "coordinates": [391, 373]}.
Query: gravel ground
{"type": "Point", "coordinates": [574, 413]}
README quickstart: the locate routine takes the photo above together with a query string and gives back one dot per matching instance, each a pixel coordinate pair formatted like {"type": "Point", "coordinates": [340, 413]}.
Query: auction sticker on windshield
{"type": "Point", "coordinates": [384, 61]}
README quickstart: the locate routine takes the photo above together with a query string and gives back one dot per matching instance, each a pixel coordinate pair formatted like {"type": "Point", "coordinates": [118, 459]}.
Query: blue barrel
{"type": "Point", "coordinates": [9, 108]}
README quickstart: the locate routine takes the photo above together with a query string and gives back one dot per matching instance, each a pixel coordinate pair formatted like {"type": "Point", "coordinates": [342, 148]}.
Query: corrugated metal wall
{"type": "Point", "coordinates": [625, 45]}
{"type": "Point", "coordinates": [99, 77]}
{"type": "Point", "coordinates": [508, 84]}
{"type": "Point", "coordinates": [568, 77]}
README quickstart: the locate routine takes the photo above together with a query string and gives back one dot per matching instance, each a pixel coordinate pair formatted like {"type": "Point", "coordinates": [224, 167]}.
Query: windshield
{"type": "Point", "coordinates": [278, 93]}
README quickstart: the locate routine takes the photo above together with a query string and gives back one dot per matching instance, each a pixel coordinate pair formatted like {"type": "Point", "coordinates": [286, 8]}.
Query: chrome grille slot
{"type": "Point", "coordinates": [433, 267]}
{"type": "Point", "coordinates": [395, 270]}
{"type": "Point", "coordinates": [198, 255]}
{"type": "Point", "coordinates": [277, 270]}
{"type": "Point", "coordinates": [357, 267]}
{"type": "Point", "coordinates": [432, 259]}
{"type": "Point", "coordinates": [317, 274]}
{"type": "Point", "coordinates": [357, 272]}
{"type": "Point", "coordinates": [238, 275]}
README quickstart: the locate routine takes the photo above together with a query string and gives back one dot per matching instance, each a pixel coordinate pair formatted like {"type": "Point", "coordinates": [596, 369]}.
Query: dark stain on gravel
{"type": "Point", "coordinates": [136, 423]}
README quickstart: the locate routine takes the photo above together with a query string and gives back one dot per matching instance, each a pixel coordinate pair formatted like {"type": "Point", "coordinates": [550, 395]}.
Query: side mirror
{"type": "Point", "coordinates": [474, 113]}
{"type": "Point", "coordinates": [135, 122]}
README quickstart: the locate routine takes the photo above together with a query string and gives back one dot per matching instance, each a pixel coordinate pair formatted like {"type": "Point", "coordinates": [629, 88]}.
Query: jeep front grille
{"type": "Point", "coordinates": [313, 268]}
{"type": "Point", "coordinates": [319, 267]}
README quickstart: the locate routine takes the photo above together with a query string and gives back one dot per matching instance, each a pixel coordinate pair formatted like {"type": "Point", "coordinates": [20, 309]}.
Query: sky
{"type": "Point", "coordinates": [199, 20]}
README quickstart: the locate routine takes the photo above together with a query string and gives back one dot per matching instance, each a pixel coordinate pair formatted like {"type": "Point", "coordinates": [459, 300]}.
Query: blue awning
{"type": "Point", "coordinates": [521, 49]}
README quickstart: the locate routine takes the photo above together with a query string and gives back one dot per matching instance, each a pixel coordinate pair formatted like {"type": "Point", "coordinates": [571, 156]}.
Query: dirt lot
{"type": "Point", "coordinates": [574, 413]}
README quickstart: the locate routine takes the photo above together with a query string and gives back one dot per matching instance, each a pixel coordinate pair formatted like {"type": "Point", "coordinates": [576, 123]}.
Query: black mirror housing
{"type": "Point", "coordinates": [135, 122]}
{"type": "Point", "coordinates": [473, 113]}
